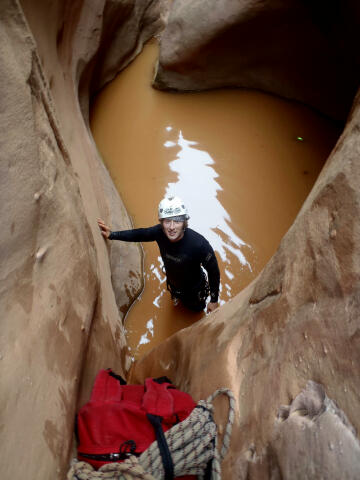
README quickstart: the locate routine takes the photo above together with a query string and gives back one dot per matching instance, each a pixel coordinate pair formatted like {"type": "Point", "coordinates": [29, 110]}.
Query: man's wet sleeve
{"type": "Point", "coordinates": [149, 234]}
{"type": "Point", "coordinates": [211, 266]}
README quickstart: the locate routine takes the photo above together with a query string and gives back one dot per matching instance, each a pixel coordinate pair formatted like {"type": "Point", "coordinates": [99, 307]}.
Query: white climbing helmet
{"type": "Point", "coordinates": [172, 207]}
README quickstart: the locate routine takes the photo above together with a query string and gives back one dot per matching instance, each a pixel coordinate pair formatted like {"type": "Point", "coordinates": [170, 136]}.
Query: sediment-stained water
{"type": "Point", "coordinates": [242, 161]}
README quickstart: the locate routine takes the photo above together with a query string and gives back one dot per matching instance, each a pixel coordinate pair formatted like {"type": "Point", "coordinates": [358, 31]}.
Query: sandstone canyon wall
{"type": "Point", "coordinates": [60, 319]}
{"type": "Point", "coordinates": [297, 325]}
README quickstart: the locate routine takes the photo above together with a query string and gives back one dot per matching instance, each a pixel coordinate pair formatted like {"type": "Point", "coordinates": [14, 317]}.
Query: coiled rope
{"type": "Point", "coordinates": [192, 444]}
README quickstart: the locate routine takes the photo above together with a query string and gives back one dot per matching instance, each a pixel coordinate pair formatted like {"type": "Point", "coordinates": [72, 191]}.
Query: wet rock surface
{"type": "Point", "coordinates": [298, 321]}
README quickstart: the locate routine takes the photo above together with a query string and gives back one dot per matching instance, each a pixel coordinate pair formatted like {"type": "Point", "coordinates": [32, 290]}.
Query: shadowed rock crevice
{"type": "Point", "coordinates": [299, 50]}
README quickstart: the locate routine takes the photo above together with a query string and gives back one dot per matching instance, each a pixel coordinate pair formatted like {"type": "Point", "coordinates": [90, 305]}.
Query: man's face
{"type": "Point", "coordinates": [174, 230]}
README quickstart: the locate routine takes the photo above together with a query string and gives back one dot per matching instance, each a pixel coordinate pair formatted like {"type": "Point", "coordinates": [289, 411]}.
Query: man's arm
{"type": "Point", "coordinates": [134, 235]}
{"type": "Point", "coordinates": [211, 266]}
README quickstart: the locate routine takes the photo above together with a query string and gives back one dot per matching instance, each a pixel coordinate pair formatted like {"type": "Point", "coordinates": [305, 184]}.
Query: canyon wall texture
{"type": "Point", "coordinates": [60, 317]}
{"type": "Point", "coordinates": [288, 345]}
{"type": "Point", "coordinates": [298, 49]}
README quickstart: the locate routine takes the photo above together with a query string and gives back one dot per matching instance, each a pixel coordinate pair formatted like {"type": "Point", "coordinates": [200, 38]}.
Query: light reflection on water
{"type": "Point", "coordinates": [196, 184]}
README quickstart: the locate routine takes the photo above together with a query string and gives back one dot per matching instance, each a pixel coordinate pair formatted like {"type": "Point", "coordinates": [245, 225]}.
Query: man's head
{"type": "Point", "coordinates": [173, 217]}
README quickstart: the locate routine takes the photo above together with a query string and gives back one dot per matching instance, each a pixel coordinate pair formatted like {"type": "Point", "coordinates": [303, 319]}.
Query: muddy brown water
{"type": "Point", "coordinates": [242, 161]}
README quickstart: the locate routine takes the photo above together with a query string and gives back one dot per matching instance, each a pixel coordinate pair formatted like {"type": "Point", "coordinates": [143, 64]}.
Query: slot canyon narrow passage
{"type": "Point", "coordinates": [230, 108]}
{"type": "Point", "coordinates": [243, 162]}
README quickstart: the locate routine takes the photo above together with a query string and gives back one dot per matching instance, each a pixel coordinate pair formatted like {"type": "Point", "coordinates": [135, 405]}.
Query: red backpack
{"type": "Point", "coordinates": [122, 420]}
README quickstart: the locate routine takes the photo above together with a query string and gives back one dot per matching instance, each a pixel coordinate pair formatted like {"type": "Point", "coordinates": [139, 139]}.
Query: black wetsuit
{"type": "Point", "coordinates": [182, 261]}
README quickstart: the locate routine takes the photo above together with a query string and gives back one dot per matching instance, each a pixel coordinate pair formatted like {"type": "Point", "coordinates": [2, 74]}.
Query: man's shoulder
{"type": "Point", "coordinates": [156, 228]}
{"type": "Point", "coordinates": [196, 236]}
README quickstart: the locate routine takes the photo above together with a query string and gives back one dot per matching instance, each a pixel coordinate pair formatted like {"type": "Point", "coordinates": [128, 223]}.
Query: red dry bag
{"type": "Point", "coordinates": [122, 420]}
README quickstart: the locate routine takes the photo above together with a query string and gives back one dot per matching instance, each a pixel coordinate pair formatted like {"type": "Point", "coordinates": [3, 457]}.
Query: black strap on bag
{"type": "Point", "coordinates": [125, 450]}
{"type": "Point", "coordinates": [168, 464]}
{"type": "Point", "coordinates": [118, 377]}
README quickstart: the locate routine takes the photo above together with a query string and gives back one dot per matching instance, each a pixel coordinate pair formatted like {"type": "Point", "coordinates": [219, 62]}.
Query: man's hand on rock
{"type": "Point", "coordinates": [211, 306]}
{"type": "Point", "coordinates": [105, 230]}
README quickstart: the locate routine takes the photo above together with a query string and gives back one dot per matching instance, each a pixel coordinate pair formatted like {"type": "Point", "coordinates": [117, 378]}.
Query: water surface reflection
{"type": "Point", "coordinates": [196, 182]}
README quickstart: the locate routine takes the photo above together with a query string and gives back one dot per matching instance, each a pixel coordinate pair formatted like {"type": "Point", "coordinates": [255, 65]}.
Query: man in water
{"type": "Point", "coordinates": [183, 251]}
